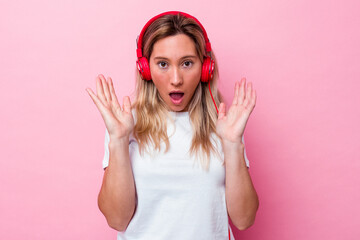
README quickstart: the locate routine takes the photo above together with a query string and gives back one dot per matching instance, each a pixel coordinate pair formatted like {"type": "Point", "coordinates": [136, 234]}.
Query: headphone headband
{"type": "Point", "coordinates": [140, 37]}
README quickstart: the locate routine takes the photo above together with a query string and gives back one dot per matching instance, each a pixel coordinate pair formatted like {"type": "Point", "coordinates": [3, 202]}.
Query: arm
{"type": "Point", "coordinates": [117, 195]}
{"type": "Point", "coordinates": [241, 198]}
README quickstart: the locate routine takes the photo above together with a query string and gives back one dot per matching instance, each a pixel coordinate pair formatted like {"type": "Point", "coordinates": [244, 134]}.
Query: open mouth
{"type": "Point", "coordinates": [176, 97]}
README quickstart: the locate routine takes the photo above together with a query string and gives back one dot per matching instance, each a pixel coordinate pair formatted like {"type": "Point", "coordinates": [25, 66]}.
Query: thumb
{"type": "Point", "coordinates": [222, 111]}
{"type": "Point", "coordinates": [127, 104]}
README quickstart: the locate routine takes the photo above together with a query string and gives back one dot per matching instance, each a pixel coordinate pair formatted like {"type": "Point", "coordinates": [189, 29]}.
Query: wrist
{"type": "Point", "coordinates": [232, 143]}
{"type": "Point", "coordinates": [232, 147]}
{"type": "Point", "coordinates": [119, 140]}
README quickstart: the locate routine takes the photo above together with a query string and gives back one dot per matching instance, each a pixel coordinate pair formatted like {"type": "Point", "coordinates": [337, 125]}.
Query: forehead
{"type": "Point", "coordinates": [175, 47]}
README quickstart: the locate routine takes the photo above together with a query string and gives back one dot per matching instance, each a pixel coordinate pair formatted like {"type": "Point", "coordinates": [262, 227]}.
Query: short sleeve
{"type": "Point", "coordinates": [105, 161]}
{"type": "Point", "coordinates": [246, 159]}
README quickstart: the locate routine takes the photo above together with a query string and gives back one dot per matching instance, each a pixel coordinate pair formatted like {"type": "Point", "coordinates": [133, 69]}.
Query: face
{"type": "Point", "coordinates": [175, 70]}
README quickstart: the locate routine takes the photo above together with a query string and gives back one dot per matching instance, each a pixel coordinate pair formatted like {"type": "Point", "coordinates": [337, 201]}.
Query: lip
{"type": "Point", "coordinates": [178, 101]}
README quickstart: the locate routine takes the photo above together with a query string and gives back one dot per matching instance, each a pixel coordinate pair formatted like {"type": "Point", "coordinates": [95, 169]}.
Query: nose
{"type": "Point", "coordinates": [176, 78]}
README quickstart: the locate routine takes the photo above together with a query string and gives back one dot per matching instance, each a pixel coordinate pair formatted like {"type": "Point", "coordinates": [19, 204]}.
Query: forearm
{"type": "Point", "coordinates": [241, 197]}
{"type": "Point", "coordinates": [117, 196]}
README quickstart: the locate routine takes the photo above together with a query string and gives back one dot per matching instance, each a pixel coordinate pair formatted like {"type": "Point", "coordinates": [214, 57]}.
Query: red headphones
{"type": "Point", "coordinates": [143, 64]}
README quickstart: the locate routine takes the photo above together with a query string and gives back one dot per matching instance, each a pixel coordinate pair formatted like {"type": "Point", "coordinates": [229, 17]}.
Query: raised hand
{"type": "Point", "coordinates": [118, 120]}
{"type": "Point", "coordinates": [231, 125]}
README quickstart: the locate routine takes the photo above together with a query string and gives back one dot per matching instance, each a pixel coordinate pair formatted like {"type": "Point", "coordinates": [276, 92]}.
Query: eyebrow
{"type": "Point", "coordinates": [187, 56]}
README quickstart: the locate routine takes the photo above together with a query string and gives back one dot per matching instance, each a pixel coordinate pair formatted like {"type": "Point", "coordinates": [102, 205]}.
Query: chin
{"type": "Point", "coordinates": [177, 108]}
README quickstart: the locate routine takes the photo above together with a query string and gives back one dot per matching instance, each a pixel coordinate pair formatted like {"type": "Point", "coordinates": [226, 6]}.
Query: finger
{"type": "Point", "coordinates": [114, 99]}
{"type": "Point", "coordinates": [247, 100]}
{"type": "Point", "coordinates": [242, 91]}
{"type": "Point", "coordinates": [236, 93]}
{"type": "Point", "coordinates": [100, 90]}
{"type": "Point", "coordinates": [127, 104]}
{"type": "Point", "coordinates": [96, 100]}
{"type": "Point", "coordinates": [222, 111]}
{"type": "Point", "coordinates": [106, 88]}
{"type": "Point", "coordinates": [105, 114]}
{"type": "Point", "coordinates": [253, 98]}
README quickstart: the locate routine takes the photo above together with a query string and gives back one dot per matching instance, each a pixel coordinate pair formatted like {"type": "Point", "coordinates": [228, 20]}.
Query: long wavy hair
{"type": "Point", "coordinates": [152, 111]}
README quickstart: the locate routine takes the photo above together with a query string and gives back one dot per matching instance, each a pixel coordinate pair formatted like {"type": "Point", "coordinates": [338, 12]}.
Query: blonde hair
{"type": "Point", "coordinates": [152, 111]}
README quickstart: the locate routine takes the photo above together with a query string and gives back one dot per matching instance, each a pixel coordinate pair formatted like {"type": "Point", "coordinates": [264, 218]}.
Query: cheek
{"type": "Point", "coordinates": [158, 79]}
{"type": "Point", "coordinates": [195, 77]}
{"type": "Point", "coordinates": [156, 75]}
{"type": "Point", "coordinates": [197, 71]}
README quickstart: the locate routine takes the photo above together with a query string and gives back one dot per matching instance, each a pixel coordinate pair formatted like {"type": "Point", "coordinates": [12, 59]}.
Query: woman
{"type": "Point", "coordinates": [168, 157]}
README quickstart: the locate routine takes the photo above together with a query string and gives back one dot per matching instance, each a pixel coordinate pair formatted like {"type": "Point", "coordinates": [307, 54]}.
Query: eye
{"type": "Point", "coordinates": [162, 64]}
{"type": "Point", "coordinates": [188, 64]}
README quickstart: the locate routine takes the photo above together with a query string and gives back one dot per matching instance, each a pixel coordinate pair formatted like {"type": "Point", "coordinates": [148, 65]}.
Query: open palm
{"type": "Point", "coordinates": [231, 125]}
{"type": "Point", "coordinates": [118, 120]}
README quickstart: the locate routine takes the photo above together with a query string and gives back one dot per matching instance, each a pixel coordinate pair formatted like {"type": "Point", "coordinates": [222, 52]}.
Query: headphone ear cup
{"type": "Point", "coordinates": [211, 69]}
{"type": "Point", "coordinates": [204, 71]}
{"type": "Point", "coordinates": [144, 69]}
{"type": "Point", "coordinates": [207, 69]}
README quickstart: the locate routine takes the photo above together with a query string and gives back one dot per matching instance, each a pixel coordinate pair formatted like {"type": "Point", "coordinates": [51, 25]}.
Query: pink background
{"type": "Point", "coordinates": [302, 139]}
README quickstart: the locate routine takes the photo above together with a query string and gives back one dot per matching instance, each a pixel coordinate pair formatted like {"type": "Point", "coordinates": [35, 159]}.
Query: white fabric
{"type": "Point", "coordinates": [177, 199]}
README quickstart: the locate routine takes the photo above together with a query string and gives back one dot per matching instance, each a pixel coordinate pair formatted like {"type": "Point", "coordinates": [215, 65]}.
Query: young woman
{"type": "Point", "coordinates": [175, 164]}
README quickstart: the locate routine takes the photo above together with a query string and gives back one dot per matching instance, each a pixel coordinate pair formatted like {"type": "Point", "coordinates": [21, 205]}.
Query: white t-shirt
{"type": "Point", "coordinates": [177, 199]}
